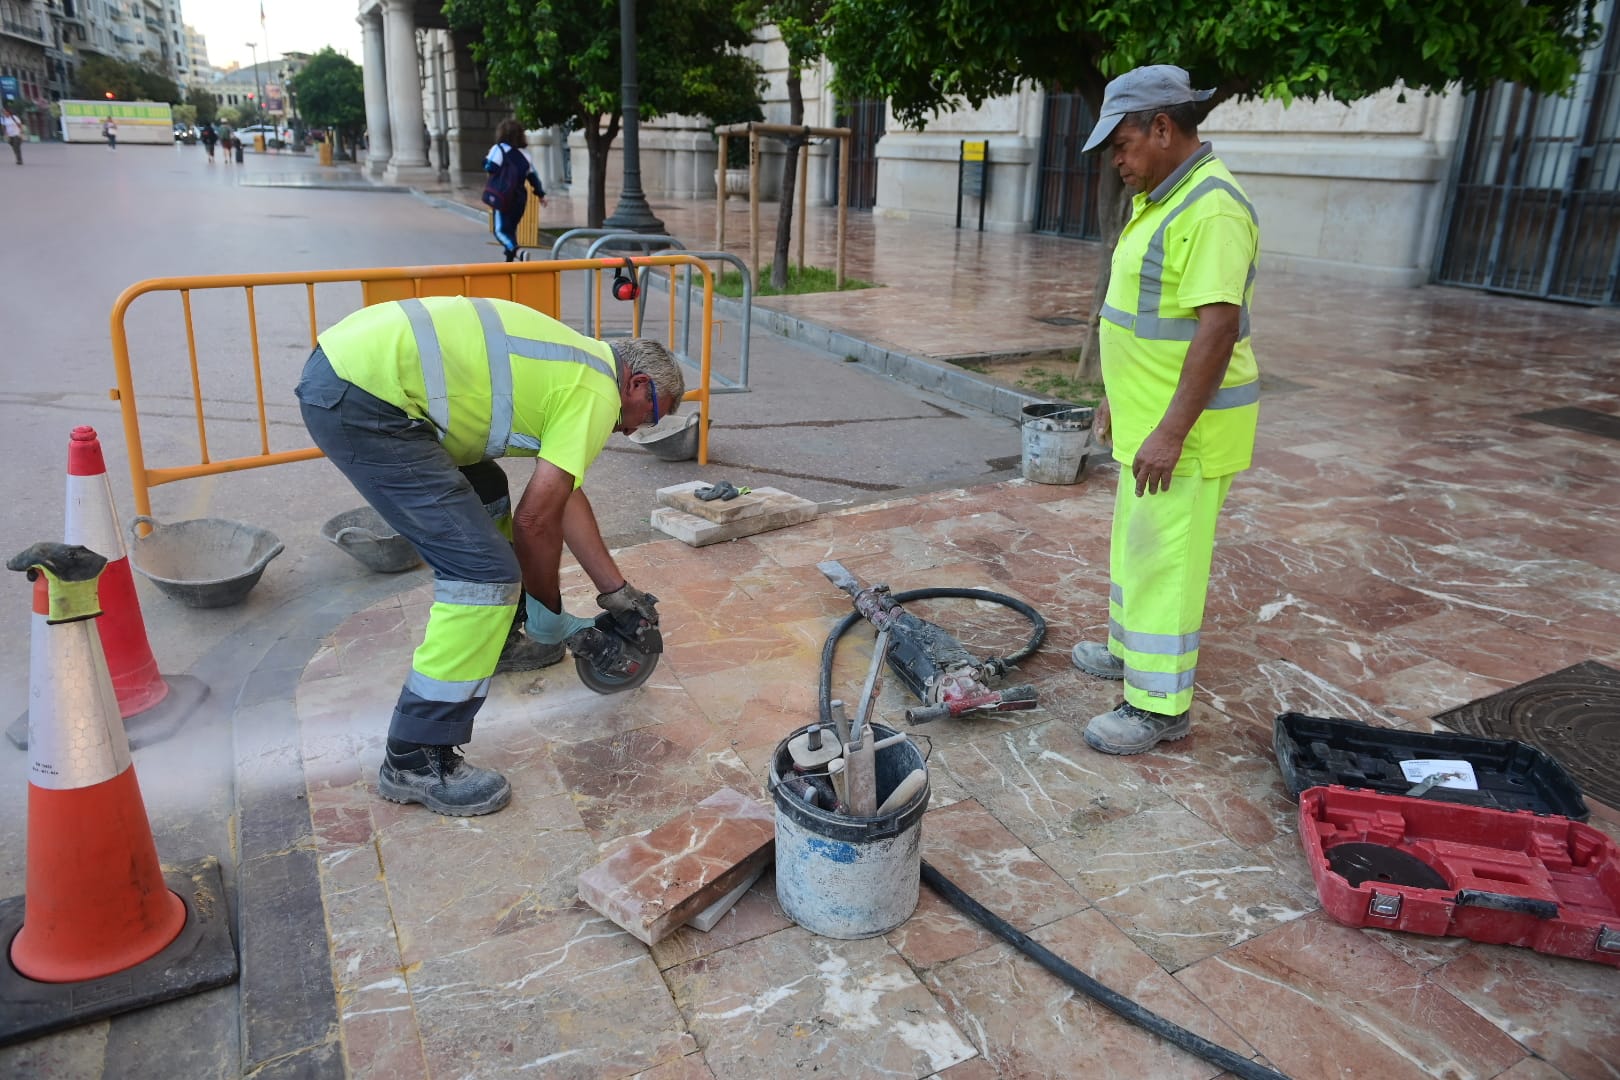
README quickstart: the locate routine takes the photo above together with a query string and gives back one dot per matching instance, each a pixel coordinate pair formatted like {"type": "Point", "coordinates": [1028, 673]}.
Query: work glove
{"type": "Point", "coordinates": [550, 627]}
{"type": "Point", "coordinates": [628, 598]}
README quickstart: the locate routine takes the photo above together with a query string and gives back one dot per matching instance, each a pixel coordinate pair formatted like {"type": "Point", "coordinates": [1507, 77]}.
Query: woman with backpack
{"type": "Point", "coordinates": [509, 168]}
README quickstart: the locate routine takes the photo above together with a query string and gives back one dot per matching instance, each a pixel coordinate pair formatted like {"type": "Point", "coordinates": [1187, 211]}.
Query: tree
{"type": "Point", "coordinates": [206, 104]}
{"type": "Point", "coordinates": [331, 94]}
{"type": "Point", "coordinates": [558, 63]}
{"type": "Point", "coordinates": [928, 58]}
{"type": "Point", "coordinates": [803, 28]}
{"type": "Point", "coordinates": [98, 75]}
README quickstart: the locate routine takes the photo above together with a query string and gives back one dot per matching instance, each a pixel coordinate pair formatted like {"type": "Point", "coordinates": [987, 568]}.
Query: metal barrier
{"type": "Point", "coordinates": [727, 386]}
{"type": "Point", "coordinates": [593, 286]}
{"type": "Point", "coordinates": [537, 285]}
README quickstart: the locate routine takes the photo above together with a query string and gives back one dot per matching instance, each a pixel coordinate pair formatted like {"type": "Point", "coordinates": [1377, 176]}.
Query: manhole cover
{"type": "Point", "coordinates": [1573, 714]}
{"type": "Point", "coordinates": [1574, 418]}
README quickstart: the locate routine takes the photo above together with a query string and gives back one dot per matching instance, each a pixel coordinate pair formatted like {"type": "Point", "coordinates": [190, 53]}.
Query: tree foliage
{"type": "Point", "coordinates": [927, 57]}
{"type": "Point", "coordinates": [206, 104]}
{"type": "Point", "coordinates": [98, 75]}
{"type": "Point", "coordinates": [557, 61]}
{"type": "Point", "coordinates": [331, 93]}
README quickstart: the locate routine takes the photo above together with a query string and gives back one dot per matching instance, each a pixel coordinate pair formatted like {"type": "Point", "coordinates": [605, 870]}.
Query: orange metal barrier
{"type": "Point", "coordinates": [536, 284]}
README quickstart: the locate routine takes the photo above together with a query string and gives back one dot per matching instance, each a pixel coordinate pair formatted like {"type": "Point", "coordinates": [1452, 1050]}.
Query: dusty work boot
{"type": "Point", "coordinates": [522, 653]}
{"type": "Point", "coordinates": [1129, 730]}
{"type": "Point", "coordinates": [1094, 659]}
{"type": "Point", "coordinates": [438, 778]}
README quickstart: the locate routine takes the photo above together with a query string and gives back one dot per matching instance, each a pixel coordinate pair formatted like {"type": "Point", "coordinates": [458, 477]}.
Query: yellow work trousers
{"type": "Point", "coordinates": [1159, 559]}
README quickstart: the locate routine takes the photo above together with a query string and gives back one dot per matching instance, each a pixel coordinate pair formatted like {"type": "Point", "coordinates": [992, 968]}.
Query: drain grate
{"type": "Point", "coordinates": [1575, 418]}
{"type": "Point", "coordinates": [1573, 714]}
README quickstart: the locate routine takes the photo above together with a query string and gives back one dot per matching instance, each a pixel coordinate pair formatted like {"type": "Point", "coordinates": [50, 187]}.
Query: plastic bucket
{"type": "Point", "coordinates": [844, 877]}
{"type": "Point", "coordinates": [1056, 438]}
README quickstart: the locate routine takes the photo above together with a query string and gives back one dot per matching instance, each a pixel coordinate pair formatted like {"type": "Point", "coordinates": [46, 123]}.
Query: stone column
{"type": "Point", "coordinates": [373, 71]}
{"type": "Point", "coordinates": [409, 163]}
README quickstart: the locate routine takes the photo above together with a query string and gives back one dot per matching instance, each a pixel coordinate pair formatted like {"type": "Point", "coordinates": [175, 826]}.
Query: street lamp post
{"type": "Point", "coordinates": [258, 95]}
{"type": "Point", "coordinates": [632, 214]}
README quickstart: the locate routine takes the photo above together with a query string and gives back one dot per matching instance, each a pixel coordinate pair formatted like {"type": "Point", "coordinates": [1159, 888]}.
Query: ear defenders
{"type": "Point", "coordinates": [624, 282]}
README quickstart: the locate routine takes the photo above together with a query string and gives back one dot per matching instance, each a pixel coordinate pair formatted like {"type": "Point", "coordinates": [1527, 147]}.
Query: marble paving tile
{"type": "Point", "coordinates": [1562, 1009]}
{"type": "Point", "coordinates": [1180, 889]}
{"type": "Point", "coordinates": [971, 848]}
{"type": "Point", "coordinates": [572, 996]}
{"type": "Point", "coordinates": [1028, 1023]}
{"type": "Point", "coordinates": [1322, 1000]}
{"type": "Point", "coordinates": [690, 1067]}
{"type": "Point", "coordinates": [378, 1024]}
{"type": "Point", "coordinates": [654, 883]}
{"type": "Point", "coordinates": [455, 883]}
{"type": "Point", "coordinates": [755, 915]}
{"type": "Point", "coordinates": [637, 780]}
{"type": "Point", "coordinates": [794, 1002]}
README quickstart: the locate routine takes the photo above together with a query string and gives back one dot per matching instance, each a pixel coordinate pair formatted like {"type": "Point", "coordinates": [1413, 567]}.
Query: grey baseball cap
{"type": "Point", "coordinates": [1157, 86]}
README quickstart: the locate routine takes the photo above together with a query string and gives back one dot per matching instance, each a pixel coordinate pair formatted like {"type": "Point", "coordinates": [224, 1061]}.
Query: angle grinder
{"type": "Point", "coordinates": [618, 651]}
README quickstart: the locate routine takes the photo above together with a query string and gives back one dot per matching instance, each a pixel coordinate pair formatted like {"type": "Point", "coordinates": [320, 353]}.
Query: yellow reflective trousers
{"type": "Point", "coordinates": [1159, 562]}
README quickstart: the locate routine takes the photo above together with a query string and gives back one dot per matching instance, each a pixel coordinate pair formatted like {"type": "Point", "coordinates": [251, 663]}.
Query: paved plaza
{"type": "Point", "coordinates": [1407, 542]}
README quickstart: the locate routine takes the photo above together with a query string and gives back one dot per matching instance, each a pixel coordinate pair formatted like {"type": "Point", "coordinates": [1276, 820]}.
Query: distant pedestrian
{"type": "Point", "coordinates": [13, 129]}
{"type": "Point", "coordinates": [509, 167]}
{"type": "Point", "coordinates": [109, 131]}
{"type": "Point", "coordinates": [227, 140]}
{"type": "Point", "coordinates": [209, 137]}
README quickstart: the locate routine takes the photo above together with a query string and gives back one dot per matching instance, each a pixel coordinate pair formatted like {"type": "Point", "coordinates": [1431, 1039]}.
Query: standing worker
{"type": "Point", "coordinates": [413, 401]}
{"type": "Point", "coordinates": [510, 167]}
{"type": "Point", "coordinates": [1182, 395]}
{"type": "Point", "coordinates": [13, 129]}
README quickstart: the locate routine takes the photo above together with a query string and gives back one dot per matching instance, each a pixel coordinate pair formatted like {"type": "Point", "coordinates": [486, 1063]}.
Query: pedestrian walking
{"type": "Point", "coordinates": [414, 401]}
{"type": "Point", "coordinates": [13, 129]}
{"type": "Point", "coordinates": [227, 141]}
{"type": "Point", "coordinates": [209, 138]}
{"type": "Point", "coordinates": [510, 168]}
{"type": "Point", "coordinates": [109, 131]}
{"type": "Point", "coordinates": [1182, 395]}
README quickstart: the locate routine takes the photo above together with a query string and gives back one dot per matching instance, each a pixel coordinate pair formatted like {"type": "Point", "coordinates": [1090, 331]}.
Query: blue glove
{"type": "Point", "coordinates": [549, 627]}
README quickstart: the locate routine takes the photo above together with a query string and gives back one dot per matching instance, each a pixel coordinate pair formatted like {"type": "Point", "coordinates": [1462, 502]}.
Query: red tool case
{"type": "Point", "coordinates": [1504, 863]}
{"type": "Point", "coordinates": [1511, 878]}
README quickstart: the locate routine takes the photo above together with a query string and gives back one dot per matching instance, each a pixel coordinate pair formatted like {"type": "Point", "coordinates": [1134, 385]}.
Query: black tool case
{"type": "Point", "coordinates": [1313, 751]}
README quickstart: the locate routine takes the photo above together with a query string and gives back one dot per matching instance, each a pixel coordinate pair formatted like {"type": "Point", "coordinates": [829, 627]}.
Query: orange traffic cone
{"type": "Point", "coordinates": [96, 900]}
{"type": "Point", "coordinates": [92, 521]}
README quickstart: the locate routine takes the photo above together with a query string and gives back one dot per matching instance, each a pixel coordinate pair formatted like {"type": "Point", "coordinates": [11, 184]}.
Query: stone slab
{"type": "Point", "coordinates": [697, 532]}
{"type": "Point", "coordinates": [705, 919]}
{"type": "Point", "coordinates": [758, 501]}
{"type": "Point", "coordinates": [655, 883]}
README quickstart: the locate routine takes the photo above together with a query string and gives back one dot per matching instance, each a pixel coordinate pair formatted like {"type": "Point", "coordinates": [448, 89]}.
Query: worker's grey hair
{"type": "Point", "coordinates": [1184, 117]}
{"type": "Point", "coordinates": [644, 356]}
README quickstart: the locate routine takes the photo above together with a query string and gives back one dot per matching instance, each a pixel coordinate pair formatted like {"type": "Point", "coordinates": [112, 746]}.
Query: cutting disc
{"type": "Point", "coordinates": [1359, 862]}
{"type": "Point", "coordinates": [633, 667]}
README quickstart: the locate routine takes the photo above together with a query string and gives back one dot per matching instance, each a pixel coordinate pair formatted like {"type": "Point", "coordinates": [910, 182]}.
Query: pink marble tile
{"type": "Point", "coordinates": [656, 882]}
{"type": "Point", "coordinates": [756, 915]}
{"type": "Point", "coordinates": [1315, 998]}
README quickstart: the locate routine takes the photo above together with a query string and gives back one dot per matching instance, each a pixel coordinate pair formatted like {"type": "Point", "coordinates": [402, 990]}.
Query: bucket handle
{"type": "Point", "coordinates": [141, 519]}
{"type": "Point", "coordinates": [358, 534]}
{"type": "Point", "coordinates": [264, 560]}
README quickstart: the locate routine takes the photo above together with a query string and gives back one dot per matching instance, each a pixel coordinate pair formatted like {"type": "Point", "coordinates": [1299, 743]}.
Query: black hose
{"type": "Point", "coordinates": [1117, 1003]}
{"type": "Point", "coordinates": [1037, 634]}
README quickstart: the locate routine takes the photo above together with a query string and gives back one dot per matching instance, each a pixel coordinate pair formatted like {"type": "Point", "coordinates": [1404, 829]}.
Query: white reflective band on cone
{"type": "Point", "coordinates": [75, 736]}
{"type": "Point", "coordinates": [91, 520]}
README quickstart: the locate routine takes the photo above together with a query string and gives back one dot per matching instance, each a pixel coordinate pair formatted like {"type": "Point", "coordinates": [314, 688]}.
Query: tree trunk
{"type": "Point", "coordinates": [790, 181]}
{"type": "Point", "coordinates": [597, 145]}
{"type": "Point", "coordinates": [1113, 210]}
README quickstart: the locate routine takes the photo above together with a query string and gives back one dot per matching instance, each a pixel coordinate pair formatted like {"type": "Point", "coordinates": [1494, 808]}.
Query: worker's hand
{"type": "Point", "coordinates": [629, 598]}
{"type": "Point", "coordinates": [550, 627]}
{"type": "Point", "coordinates": [1102, 424]}
{"type": "Point", "coordinates": [1155, 462]}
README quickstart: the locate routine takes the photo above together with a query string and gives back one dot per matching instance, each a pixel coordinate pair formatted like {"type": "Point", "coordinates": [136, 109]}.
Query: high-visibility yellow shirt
{"type": "Point", "coordinates": [493, 377]}
{"type": "Point", "coordinates": [1193, 240]}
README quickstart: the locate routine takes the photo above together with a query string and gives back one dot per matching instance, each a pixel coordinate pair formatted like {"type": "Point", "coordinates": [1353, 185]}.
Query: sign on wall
{"type": "Point", "coordinates": [138, 121]}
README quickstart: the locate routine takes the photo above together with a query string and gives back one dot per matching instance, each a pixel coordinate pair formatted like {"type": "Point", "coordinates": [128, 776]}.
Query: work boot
{"type": "Point", "coordinates": [438, 778]}
{"type": "Point", "coordinates": [1094, 659]}
{"type": "Point", "coordinates": [522, 653]}
{"type": "Point", "coordinates": [1129, 730]}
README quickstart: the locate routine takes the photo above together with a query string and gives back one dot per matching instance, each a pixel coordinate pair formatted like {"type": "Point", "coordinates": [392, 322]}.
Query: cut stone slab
{"type": "Point", "coordinates": [763, 509]}
{"type": "Point", "coordinates": [705, 919]}
{"type": "Point", "coordinates": [656, 882]}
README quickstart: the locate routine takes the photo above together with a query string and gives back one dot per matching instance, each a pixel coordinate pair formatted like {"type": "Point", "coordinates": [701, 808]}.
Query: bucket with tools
{"type": "Point", "coordinates": [838, 873]}
{"type": "Point", "coordinates": [1057, 441]}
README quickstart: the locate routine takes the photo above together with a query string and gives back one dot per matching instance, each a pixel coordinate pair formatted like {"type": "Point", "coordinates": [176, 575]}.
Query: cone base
{"type": "Point", "coordinates": [201, 958]}
{"type": "Point", "coordinates": [185, 693]}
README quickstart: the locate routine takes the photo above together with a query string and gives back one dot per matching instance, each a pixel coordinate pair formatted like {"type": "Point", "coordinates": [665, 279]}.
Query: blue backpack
{"type": "Point", "coordinates": [504, 191]}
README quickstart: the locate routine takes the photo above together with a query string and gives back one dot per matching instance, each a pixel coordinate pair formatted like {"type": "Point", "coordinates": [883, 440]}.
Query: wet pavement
{"type": "Point", "coordinates": [1406, 542]}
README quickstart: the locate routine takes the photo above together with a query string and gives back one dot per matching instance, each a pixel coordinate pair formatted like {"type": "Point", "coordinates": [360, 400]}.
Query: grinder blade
{"type": "Point", "coordinates": [617, 653]}
{"type": "Point", "coordinates": [610, 683]}
{"type": "Point", "coordinates": [1359, 862]}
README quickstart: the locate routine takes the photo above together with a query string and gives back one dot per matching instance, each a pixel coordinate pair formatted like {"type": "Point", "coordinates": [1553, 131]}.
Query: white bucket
{"type": "Point", "coordinates": [844, 877]}
{"type": "Point", "coordinates": [1056, 442]}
